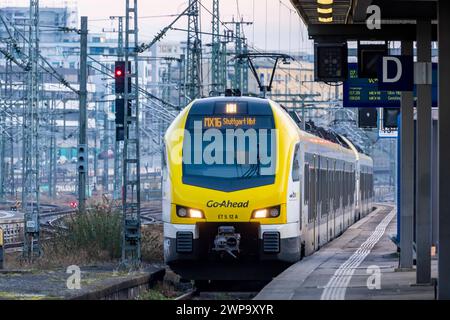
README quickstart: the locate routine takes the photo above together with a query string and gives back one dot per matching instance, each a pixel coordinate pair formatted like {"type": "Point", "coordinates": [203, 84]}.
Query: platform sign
{"type": "Point", "coordinates": [364, 93]}
{"type": "Point", "coordinates": [396, 73]}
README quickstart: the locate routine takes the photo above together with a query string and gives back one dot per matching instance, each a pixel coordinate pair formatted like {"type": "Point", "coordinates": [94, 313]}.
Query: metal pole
{"type": "Point", "coordinates": [444, 151]}
{"type": "Point", "coordinates": [194, 53]}
{"type": "Point", "coordinates": [95, 151]}
{"type": "Point", "coordinates": [83, 172]}
{"type": "Point", "coordinates": [105, 150]}
{"type": "Point", "coordinates": [423, 180]}
{"type": "Point", "coordinates": [238, 64]}
{"type": "Point", "coordinates": [406, 208]}
{"type": "Point", "coordinates": [245, 72]}
{"type": "Point", "coordinates": [131, 199]}
{"type": "Point", "coordinates": [2, 158]}
{"type": "Point", "coordinates": [215, 62]}
{"type": "Point", "coordinates": [30, 144]}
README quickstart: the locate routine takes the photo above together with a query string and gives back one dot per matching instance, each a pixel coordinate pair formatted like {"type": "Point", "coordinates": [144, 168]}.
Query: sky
{"type": "Point", "coordinates": [277, 25]}
{"type": "Point", "coordinates": [283, 30]}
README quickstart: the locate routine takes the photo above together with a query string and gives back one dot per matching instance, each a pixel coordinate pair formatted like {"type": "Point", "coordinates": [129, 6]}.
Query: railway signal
{"type": "Point", "coordinates": [119, 76]}
{"type": "Point", "coordinates": [120, 111]}
{"type": "Point", "coordinates": [82, 158]}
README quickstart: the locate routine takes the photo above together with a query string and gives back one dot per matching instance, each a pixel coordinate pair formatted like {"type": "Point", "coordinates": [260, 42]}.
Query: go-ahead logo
{"type": "Point", "coordinates": [227, 204]}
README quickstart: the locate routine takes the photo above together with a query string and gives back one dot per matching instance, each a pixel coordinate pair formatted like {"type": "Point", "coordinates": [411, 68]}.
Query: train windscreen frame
{"type": "Point", "coordinates": [230, 145]}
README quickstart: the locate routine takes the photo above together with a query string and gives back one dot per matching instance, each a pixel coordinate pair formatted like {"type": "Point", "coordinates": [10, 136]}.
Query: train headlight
{"type": "Point", "coordinates": [261, 214]}
{"type": "Point", "coordinates": [195, 214]}
{"type": "Point", "coordinates": [183, 212]}
{"type": "Point", "coordinates": [273, 212]}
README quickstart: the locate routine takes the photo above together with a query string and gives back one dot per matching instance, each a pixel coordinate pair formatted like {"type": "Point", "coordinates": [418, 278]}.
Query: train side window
{"type": "Point", "coordinates": [296, 164]}
{"type": "Point", "coordinates": [306, 184]}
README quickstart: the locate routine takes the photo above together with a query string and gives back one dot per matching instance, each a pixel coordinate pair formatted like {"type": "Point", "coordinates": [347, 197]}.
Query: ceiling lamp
{"type": "Point", "coordinates": [326, 20]}
{"type": "Point", "coordinates": [325, 11]}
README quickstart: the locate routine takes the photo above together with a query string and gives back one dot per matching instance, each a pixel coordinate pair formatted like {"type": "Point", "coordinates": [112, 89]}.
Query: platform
{"type": "Point", "coordinates": [96, 283]}
{"type": "Point", "coordinates": [343, 269]}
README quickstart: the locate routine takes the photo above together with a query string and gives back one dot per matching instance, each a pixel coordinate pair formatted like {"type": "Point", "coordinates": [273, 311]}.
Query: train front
{"type": "Point", "coordinates": [225, 190]}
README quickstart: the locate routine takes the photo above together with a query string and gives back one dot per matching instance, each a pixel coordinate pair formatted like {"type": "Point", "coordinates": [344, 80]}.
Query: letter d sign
{"type": "Point", "coordinates": [392, 61]}
{"type": "Point", "coordinates": [396, 73]}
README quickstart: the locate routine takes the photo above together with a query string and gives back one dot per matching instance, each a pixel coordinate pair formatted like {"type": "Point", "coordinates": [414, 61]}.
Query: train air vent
{"type": "Point", "coordinates": [184, 242]}
{"type": "Point", "coordinates": [271, 242]}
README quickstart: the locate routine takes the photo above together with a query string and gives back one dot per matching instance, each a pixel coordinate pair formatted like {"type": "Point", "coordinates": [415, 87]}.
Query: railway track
{"type": "Point", "coordinates": [53, 215]}
{"type": "Point", "coordinates": [230, 290]}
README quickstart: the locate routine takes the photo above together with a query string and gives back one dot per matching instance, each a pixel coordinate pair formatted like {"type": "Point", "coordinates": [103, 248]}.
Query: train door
{"type": "Point", "coordinates": [312, 202]}
{"type": "Point", "coordinates": [305, 206]}
{"type": "Point", "coordinates": [327, 198]}
{"type": "Point", "coordinates": [335, 196]}
{"type": "Point", "coordinates": [316, 202]}
{"type": "Point", "coordinates": [295, 202]}
{"type": "Point", "coordinates": [343, 196]}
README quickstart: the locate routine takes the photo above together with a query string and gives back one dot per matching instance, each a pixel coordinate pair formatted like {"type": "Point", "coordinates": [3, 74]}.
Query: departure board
{"type": "Point", "coordinates": [364, 93]}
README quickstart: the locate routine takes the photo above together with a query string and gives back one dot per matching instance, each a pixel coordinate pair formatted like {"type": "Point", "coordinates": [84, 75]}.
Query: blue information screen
{"type": "Point", "coordinates": [364, 93]}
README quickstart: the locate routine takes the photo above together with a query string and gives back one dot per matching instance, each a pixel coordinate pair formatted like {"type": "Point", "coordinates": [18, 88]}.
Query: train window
{"type": "Point", "coordinates": [319, 184]}
{"type": "Point", "coordinates": [326, 198]}
{"type": "Point", "coordinates": [296, 164]}
{"type": "Point", "coordinates": [335, 196]}
{"type": "Point", "coordinates": [312, 194]}
{"type": "Point", "coordinates": [306, 183]}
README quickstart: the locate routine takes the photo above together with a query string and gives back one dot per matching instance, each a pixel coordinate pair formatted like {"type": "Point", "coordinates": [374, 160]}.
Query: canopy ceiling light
{"type": "Point", "coordinates": [326, 20]}
{"type": "Point", "coordinates": [325, 2]}
{"type": "Point", "coordinates": [325, 11]}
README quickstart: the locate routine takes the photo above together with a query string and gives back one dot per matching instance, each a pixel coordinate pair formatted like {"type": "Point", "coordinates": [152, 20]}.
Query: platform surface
{"type": "Point", "coordinates": [360, 265]}
{"type": "Point", "coordinates": [95, 281]}
{"type": "Point", "coordinates": [10, 216]}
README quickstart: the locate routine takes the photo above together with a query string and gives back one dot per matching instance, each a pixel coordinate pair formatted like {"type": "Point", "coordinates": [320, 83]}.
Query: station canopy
{"type": "Point", "coordinates": [334, 12]}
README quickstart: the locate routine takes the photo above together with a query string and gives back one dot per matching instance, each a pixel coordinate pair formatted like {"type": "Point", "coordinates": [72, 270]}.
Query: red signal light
{"type": "Point", "coordinates": [119, 73]}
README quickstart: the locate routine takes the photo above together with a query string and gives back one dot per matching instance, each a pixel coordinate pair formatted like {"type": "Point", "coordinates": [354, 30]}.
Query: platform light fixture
{"type": "Point", "coordinates": [325, 10]}
{"type": "Point", "coordinates": [326, 20]}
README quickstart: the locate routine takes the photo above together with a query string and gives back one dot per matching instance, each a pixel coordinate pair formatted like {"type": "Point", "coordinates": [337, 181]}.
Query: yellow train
{"type": "Point", "coordinates": [244, 186]}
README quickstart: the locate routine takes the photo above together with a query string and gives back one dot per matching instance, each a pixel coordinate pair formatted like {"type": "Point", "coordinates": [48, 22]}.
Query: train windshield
{"type": "Point", "coordinates": [230, 146]}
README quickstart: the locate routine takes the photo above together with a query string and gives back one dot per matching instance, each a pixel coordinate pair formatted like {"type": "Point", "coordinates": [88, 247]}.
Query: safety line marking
{"type": "Point", "coordinates": [337, 286]}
